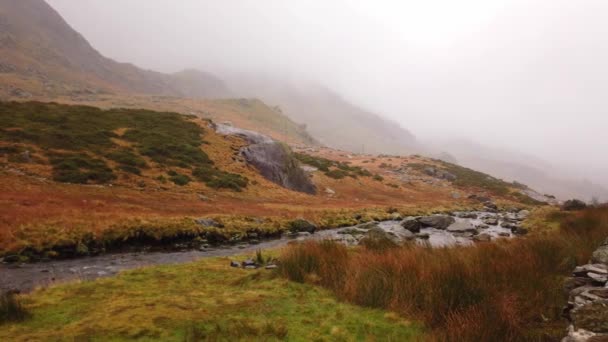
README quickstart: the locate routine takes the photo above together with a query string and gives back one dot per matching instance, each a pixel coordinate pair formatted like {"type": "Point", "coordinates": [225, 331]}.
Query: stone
{"type": "Point", "coordinates": [482, 238]}
{"type": "Point", "coordinates": [271, 267]}
{"type": "Point", "coordinates": [519, 231]}
{"type": "Point", "coordinates": [437, 221]}
{"type": "Point", "coordinates": [208, 222]}
{"type": "Point", "coordinates": [412, 225]}
{"type": "Point", "coordinates": [461, 227]}
{"type": "Point", "coordinates": [423, 236]}
{"type": "Point", "coordinates": [468, 215]}
{"type": "Point", "coordinates": [574, 283]}
{"type": "Point", "coordinates": [490, 205]}
{"type": "Point", "coordinates": [301, 225]}
{"type": "Point", "coordinates": [595, 268]}
{"type": "Point", "coordinates": [11, 258]}
{"type": "Point", "coordinates": [249, 263]}
{"type": "Point", "coordinates": [600, 255]}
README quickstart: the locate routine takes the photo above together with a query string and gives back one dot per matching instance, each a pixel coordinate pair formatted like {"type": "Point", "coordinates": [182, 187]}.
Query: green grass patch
{"type": "Point", "coordinates": [206, 300]}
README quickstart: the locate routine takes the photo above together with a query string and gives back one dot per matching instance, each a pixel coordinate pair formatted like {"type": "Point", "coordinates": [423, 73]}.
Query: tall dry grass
{"type": "Point", "coordinates": [507, 291]}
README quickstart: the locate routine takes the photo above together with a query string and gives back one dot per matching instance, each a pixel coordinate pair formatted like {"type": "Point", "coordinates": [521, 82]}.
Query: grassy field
{"type": "Point", "coordinates": [206, 300]}
{"type": "Point", "coordinates": [509, 291]}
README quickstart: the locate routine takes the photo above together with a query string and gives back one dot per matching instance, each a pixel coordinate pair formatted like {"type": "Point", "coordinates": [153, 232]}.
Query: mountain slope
{"type": "Point", "coordinates": [329, 117]}
{"type": "Point", "coordinates": [42, 54]}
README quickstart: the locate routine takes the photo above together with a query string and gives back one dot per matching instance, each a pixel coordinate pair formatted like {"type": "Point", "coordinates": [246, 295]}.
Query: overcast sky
{"type": "Point", "coordinates": [530, 75]}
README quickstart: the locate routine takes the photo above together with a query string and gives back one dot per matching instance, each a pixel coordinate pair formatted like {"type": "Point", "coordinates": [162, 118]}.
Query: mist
{"type": "Point", "coordinates": [527, 76]}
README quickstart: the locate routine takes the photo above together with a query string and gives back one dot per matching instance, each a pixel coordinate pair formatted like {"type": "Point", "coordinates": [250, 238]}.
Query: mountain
{"type": "Point", "coordinates": [329, 117]}
{"type": "Point", "coordinates": [516, 166]}
{"type": "Point", "coordinates": [41, 54]}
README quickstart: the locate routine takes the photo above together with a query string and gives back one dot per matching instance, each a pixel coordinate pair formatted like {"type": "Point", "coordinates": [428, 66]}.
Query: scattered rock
{"type": "Point", "coordinates": [437, 221]}
{"type": "Point", "coordinates": [592, 317]}
{"type": "Point", "coordinates": [301, 225]}
{"type": "Point", "coordinates": [461, 227]}
{"type": "Point", "coordinates": [271, 267]}
{"type": "Point", "coordinates": [411, 224]}
{"type": "Point", "coordinates": [482, 238]}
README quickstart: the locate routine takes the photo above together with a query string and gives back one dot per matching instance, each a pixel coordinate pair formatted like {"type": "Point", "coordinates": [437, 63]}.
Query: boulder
{"type": "Point", "coordinates": [377, 237]}
{"type": "Point", "coordinates": [301, 225]}
{"type": "Point", "coordinates": [490, 205]}
{"type": "Point", "coordinates": [482, 238]}
{"type": "Point", "coordinates": [468, 215]}
{"type": "Point", "coordinates": [437, 221]}
{"type": "Point", "coordinates": [574, 204]}
{"type": "Point", "coordinates": [412, 225]}
{"type": "Point", "coordinates": [600, 255]}
{"type": "Point", "coordinates": [461, 227]}
{"type": "Point", "coordinates": [490, 221]}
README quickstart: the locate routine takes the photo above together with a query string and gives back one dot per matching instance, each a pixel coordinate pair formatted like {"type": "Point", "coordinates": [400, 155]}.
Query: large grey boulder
{"type": "Point", "coordinates": [437, 221]}
{"type": "Point", "coordinates": [274, 160]}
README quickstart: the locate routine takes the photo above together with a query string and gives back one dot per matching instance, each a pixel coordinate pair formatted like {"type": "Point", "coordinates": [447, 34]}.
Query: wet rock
{"type": "Point", "coordinates": [467, 215]}
{"type": "Point", "coordinates": [411, 224]}
{"type": "Point", "coordinates": [482, 238]}
{"type": "Point", "coordinates": [574, 204]}
{"type": "Point", "coordinates": [490, 205]}
{"type": "Point", "coordinates": [352, 231]}
{"type": "Point", "coordinates": [406, 235]}
{"type": "Point", "coordinates": [423, 236]}
{"type": "Point", "coordinates": [509, 225]}
{"type": "Point", "coordinates": [519, 231]}
{"type": "Point", "coordinates": [208, 222]}
{"type": "Point", "coordinates": [368, 225]}
{"type": "Point", "coordinates": [461, 227]}
{"type": "Point", "coordinates": [301, 225]}
{"type": "Point", "coordinates": [11, 258]}
{"type": "Point", "coordinates": [378, 237]}
{"type": "Point", "coordinates": [249, 264]}
{"type": "Point", "coordinates": [502, 234]}
{"type": "Point", "coordinates": [437, 221]}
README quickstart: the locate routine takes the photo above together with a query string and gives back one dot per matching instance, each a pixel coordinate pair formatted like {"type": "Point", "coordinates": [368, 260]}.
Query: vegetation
{"type": "Point", "coordinates": [206, 300]}
{"type": "Point", "coordinates": [91, 134]}
{"type": "Point", "coordinates": [331, 168]}
{"type": "Point", "coordinates": [11, 309]}
{"type": "Point", "coordinates": [501, 291]}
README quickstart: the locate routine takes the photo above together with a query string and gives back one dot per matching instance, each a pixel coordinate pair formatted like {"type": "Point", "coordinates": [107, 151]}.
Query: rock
{"type": "Point", "coordinates": [600, 255]}
{"type": "Point", "coordinates": [406, 235]}
{"type": "Point", "coordinates": [523, 213]}
{"type": "Point", "coordinates": [519, 231]}
{"type": "Point", "coordinates": [378, 237]}
{"type": "Point", "coordinates": [574, 204]}
{"type": "Point", "coordinates": [598, 278]}
{"type": "Point", "coordinates": [271, 267]}
{"type": "Point", "coordinates": [574, 283]}
{"type": "Point", "coordinates": [249, 263]}
{"type": "Point", "coordinates": [490, 205]}
{"type": "Point", "coordinates": [437, 221]}
{"type": "Point", "coordinates": [208, 222]}
{"type": "Point", "coordinates": [482, 238]}
{"type": "Point", "coordinates": [368, 225]}
{"type": "Point", "coordinates": [490, 220]}
{"type": "Point", "coordinates": [301, 225]}
{"type": "Point", "coordinates": [509, 225]}
{"type": "Point", "coordinates": [468, 215]}
{"type": "Point", "coordinates": [581, 271]}
{"type": "Point", "coordinates": [352, 231]}
{"type": "Point", "coordinates": [423, 236]}
{"type": "Point", "coordinates": [329, 191]}
{"type": "Point", "coordinates": [456, 195]}
{"type": "Point", "coordinates": [502, 234]}
{"type": "Point", "coordinates": [461, 227]}
{"type": "Point", "coordinates": [592, 317]}
{"type": "Point", "coordinates": [411, 224]}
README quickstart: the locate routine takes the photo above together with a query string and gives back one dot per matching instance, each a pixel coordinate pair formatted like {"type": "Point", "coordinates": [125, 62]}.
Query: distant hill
{"type": "Point", "coordinates": [329, 117]}
{"type": "Point", "coordinates": [40, 54]}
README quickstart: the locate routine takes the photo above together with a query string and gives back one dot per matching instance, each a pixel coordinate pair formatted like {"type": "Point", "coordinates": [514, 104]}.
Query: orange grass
{"type": "Point", "coordinates": [507, 291]}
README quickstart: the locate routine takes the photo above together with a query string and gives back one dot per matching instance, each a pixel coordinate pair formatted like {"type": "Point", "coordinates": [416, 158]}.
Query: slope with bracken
{"type": "Point", "coordinates": [78, 175]}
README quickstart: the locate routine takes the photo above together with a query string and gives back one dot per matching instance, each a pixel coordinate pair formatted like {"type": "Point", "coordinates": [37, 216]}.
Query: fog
{"type": "Point", "coordinates": [528, 75]}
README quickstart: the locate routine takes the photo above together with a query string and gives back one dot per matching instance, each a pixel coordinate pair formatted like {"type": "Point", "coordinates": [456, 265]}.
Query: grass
{"type": "Point", "coordinates": [508, 291]}
{"type": "Point", "coordinates": [331, 168]}
{"type": "Point", "coordinates": [206, 300]}
{"type": "Point", "coordinates": [11, 309]}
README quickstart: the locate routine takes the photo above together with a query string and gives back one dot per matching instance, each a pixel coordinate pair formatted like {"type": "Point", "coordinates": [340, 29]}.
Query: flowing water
{"type": "Point", "coordinates": [25, 277]}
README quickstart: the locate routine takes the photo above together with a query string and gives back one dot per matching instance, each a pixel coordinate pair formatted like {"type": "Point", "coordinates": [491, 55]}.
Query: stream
{"type": "Point", "coordinates": [25, 277]}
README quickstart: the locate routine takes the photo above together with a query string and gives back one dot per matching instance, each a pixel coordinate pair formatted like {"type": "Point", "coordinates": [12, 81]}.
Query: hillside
{"type": "Point", "coordinates": [95, 176]}
{"type": "Point", "coordinates": [329, 117]}
{"type": "Point", "coordinates": [43, 55]}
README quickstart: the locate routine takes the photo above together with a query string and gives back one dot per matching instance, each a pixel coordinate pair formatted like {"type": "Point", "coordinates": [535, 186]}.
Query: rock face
{"type": "Point", "coordinates": [587, 308]}
{"type": "Point", "coordinates": [437, 221]}
{"type": "Point", "coordinates": [273, 159]}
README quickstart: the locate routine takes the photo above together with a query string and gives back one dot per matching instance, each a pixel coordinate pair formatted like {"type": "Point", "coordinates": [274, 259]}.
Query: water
{"type": "Point", "coordinates": [26, 277]}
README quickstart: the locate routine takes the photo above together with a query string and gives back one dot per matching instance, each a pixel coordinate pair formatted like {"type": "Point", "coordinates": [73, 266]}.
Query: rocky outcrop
{"type": "Point", "coordinates": [274, 160]}
{"type": "Point", "coordinates": [587, 308]}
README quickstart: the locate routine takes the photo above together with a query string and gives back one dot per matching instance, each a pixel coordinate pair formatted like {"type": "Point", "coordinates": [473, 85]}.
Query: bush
{"type": "Point", "coordinates": [336, 174]}
{"type": "Point", "coordinates": [11, 309]}
{"type": "Point", "coordinates": [218, 179]}
{"type": "Point", "coordinates": [80, 169]}
{"type": "Point", "coordinates": [378, 178]}
{"type": "Point", "coordinates": [179, 179]}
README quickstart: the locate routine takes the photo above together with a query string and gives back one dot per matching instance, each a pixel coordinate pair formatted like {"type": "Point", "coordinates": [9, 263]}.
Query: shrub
{"type": "Point", "coordinates": [80, 169]}
{"type": "Point", "coordinates": [218, 179]}
{"type": "Point", "coordinates": [378, 178]}
{"type": "Point", "coordinates": [11, 309]}
{"type": "Point", "coordinates": [179, 179]}
{"type": "Point", "coordinates": [336, 174]}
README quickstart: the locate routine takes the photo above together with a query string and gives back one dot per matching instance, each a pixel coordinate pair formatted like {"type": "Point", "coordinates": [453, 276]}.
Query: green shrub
{"type": "Point", "coordinates": [80, 169]}
{"type": "Point", "coordinates": [378, 178]}
{"type": "Point", "coordinates": [336, 174]}
{"type": "Point", "coordinates": [218, 179]}
{"type": "Point", "coordinates": [179, 179]}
